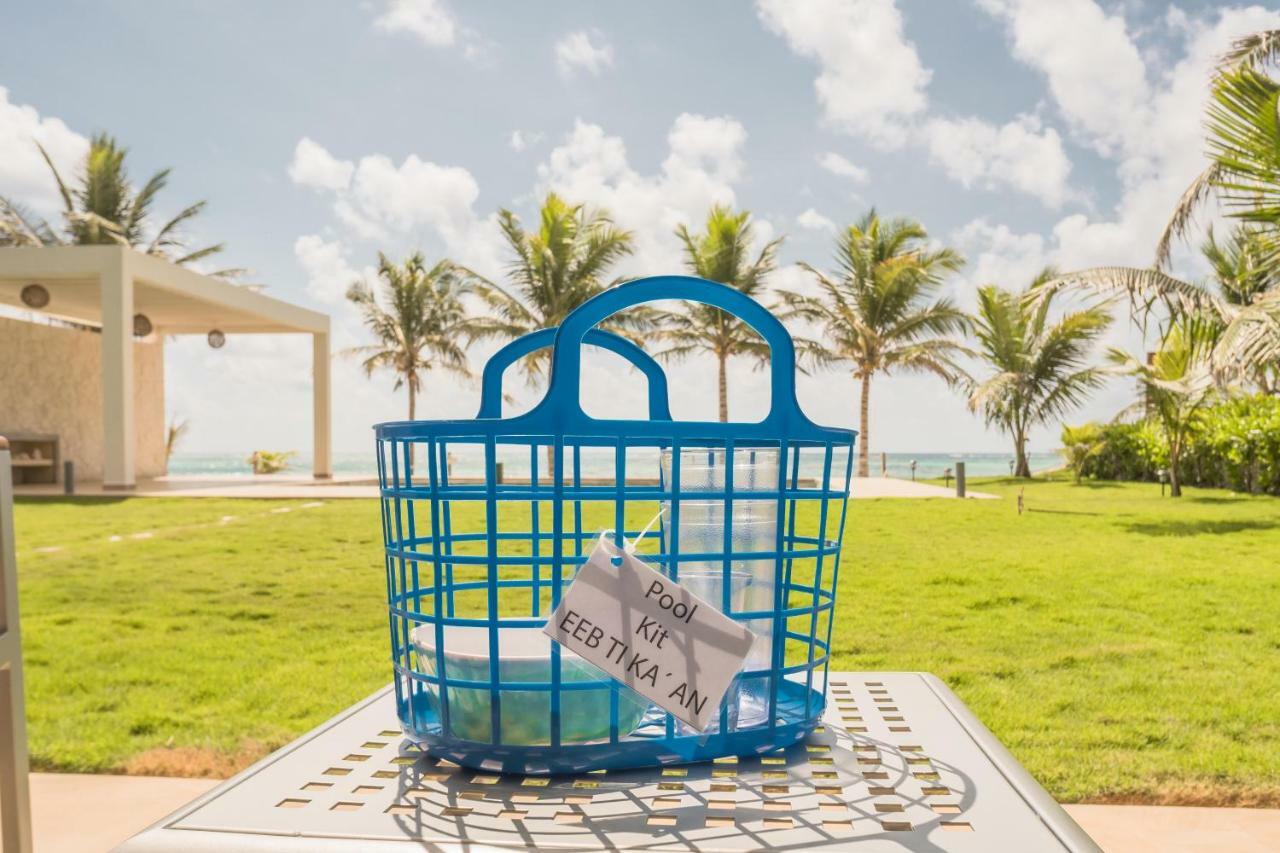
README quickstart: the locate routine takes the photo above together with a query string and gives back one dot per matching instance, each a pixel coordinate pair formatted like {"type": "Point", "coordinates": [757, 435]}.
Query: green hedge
{"type": "Point", "coordinates": [1230, 445]}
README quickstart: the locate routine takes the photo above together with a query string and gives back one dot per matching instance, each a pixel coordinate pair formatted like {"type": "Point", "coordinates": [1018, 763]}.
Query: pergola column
{"type": "Point", "coordinates": [322, 468]}
{"type": "Point", "coordinates": [117, 374]}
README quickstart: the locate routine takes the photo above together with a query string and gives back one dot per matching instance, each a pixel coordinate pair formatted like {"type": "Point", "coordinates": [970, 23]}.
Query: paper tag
{"type": "Point", "coordinates": [651, 634]}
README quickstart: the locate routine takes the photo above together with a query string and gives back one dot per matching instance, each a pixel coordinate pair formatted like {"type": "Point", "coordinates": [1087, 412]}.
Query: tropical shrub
{"type": "Point", "coordinates": [1130, 451]}
{"type": "Point", "coordinates": [1233, 445]}
{"type": "Point", "coordinates": [1079, 445]}
{"type": "Point", "coordinates": [271, 461]}
{"type": "Point", "coordinates": [1237, 445]}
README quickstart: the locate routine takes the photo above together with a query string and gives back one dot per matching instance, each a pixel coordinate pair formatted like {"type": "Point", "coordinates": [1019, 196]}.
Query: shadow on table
{"type": "Point", "coordinates": [623, 809]}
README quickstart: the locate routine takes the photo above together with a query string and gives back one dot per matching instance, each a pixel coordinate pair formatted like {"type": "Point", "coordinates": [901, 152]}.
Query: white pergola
{"type": "Point", "coordinates": [105, 286]}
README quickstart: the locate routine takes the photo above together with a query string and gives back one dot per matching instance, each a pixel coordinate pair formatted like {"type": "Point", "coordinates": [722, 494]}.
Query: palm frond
{"type": "Point", "coordinates": [1252, 338]}
{"type": "Point", "coordinates": [1069, 393]}
{"type": "Point", "coordinates": [20, 227]}
{"type": "Point", "coordinates": [1184, 212]}
{"type": "Point", "coordinates": [166, 237]}
{"type": "Point", "coordinates": [1244, 139]}
{"type": "Point", "coordinates": [1144, 288]}
{"type": "Point", "coordinates": [200, 254]}
{"type": "Point", "coordinates": [68, 203]}
{"type": "Point", "coordinates": [984, 394]}
{"type": "Point", "coordinates": [1253, 50]}
{"type": "Point", "coordinates": [93, 228]}
{"type": "Point", "coordinates": [140, 208]}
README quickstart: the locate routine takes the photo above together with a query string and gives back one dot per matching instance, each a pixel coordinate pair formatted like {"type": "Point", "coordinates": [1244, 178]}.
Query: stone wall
{"type": "Point", "coordinates": [51, 382]}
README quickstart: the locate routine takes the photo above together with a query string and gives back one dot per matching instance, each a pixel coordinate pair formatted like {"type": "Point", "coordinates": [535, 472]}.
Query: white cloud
{"type": "Point", "coordinates": [838, 165]}
{"type": "Point", "coordinates": [1020, 154]}
{"type": "Point", "coordinates": [997, 254]}
{"type": "Point", "coordinates": [707, 149]}
{"type": "Point", "coordinates": [871, 81]}
{"type": "Point", "coordinates": [313, 166]}
{"type": "Point", "coordinates": [329, 273]}
{"type": "Point", "coordinates": [381, 201]}
{"type": "Point", "coordinates": [415, 193]}
{"type": "Point", "coordinates": [815, 221]}
{"type": "Point", "coordinates": [376, 197]}
{"type": "Point", "coordinates": [703, 163]}
{"type": "Point", "coordinates": [585, 51]}
{"type": "Point", "coordinates": [1095, 70]}
{"type": "Point", "coordinates": [872, 84]}
{"type": "Point", "coordinates": [433, 23]}
{"type": "Point", "coordinates": [523, 139]}
{"type": "Point", "coordinates": [428, 20]}
{"type": "Point", "coordinates": [24, 177]}
{"type": "Point", "coordinates": [1149, 125]}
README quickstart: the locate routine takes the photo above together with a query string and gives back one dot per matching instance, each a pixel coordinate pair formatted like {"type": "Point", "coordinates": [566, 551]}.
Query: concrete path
{"type": "Point", "coordinates": [85, 814]}
{"type": "Point", "coordinates": [263, 486]}
{"type": "Point", "coordinates": [276, 486]}
{"type": "Point", "coordinates": [74, 813]}
{"type": "Point", "coordinates": [889, 487]}
{"type": "Point", "coordinates": [1176, 829]}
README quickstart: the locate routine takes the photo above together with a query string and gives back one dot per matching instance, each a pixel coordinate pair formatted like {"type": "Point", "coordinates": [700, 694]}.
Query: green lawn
{"type": "Point", "coordinates": [1123, 646]}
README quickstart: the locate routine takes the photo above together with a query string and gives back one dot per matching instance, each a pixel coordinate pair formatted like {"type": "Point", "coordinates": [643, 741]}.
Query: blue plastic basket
{"type": "Point", "coordinates": [484, 559]}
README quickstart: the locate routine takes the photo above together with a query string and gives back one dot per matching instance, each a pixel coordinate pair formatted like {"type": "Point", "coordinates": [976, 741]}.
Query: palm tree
{"type": "Point", "coordinates": [1239, 307]}
{"type": "Point", "coordinates": [1178, 382]}
{"type": "Point", "coordinates": [721, 252]}
{"type": "Point", "coordinates": [553, 270]}
{"type": "Point", "coordinates": [880, 312]}
{"type": "Point", "coordinates": [1243, 137]}
{"type": "Point", "coordinates": [103, 207]}
{"type": "Point", "coordinates": [1039, 366]}
{"type": "Point", "coordinates": [422, 325]}
{"type": "Point", "coordinates": [1244, 142]}
{"type": "Point", "coordinates": [1243, 266]}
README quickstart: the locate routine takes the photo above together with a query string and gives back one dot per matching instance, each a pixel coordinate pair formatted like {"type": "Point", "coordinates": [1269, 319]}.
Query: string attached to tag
{"type": "Point", "coordinates": [630, 547]}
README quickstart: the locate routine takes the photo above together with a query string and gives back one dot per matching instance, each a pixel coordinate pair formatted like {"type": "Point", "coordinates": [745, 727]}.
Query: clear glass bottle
{"type": "Point", "coordinates": [753, 528]}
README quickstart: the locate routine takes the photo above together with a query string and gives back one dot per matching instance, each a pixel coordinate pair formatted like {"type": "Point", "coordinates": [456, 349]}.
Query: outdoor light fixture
{"type": "Point", "coordinates": [35, 296]}
{"type": "Point", "coordinates": [217, 339]}
{"type": "Point", "coordinates": [141, 325]}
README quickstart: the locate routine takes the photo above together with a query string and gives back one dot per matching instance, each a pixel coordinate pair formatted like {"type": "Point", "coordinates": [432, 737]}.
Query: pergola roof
{"type": "Point", "coordinates": [108, 286]}
{"type": "Point", "coordinates": [176, 300]}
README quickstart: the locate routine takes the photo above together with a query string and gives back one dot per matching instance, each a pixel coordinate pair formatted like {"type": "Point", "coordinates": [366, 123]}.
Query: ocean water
{"type": "Point", "coordinates": [928, 465]}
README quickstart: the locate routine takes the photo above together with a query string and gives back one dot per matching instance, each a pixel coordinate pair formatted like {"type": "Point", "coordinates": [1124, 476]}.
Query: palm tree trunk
{"type": "Point", "coordinates": [1021, 468]}
{"type": "Point", "coordinates": [1175, 485]}
{"type": "Point", "coordinates": [864, 428]}
{"type": "Point", "coordinates": [413, 446]}
{"type": "Point", "coordinates": [724, 389]}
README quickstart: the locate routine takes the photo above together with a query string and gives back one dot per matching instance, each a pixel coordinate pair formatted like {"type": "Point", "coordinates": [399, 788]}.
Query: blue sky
{"type": "Point", "coordinates": [1023, 133]}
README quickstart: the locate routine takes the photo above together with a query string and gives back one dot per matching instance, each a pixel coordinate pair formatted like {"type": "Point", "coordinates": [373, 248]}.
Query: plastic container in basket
{"type": "Point", "coordinates": [486, 522]}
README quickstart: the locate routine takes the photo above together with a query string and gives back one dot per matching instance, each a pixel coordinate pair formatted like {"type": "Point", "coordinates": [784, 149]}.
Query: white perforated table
{"type": "Point", "coordinates": [899, 764]}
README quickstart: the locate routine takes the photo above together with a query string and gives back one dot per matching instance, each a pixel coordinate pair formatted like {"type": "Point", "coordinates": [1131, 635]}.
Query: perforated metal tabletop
{"type": "Point", "coordinates": [899, 764]}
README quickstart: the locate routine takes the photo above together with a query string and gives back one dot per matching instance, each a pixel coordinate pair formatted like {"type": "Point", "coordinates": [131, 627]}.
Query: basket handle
{"type": "Point", "coordinates": [566, 367]}
{"type": "Point", "coordinates": [491, 379]}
